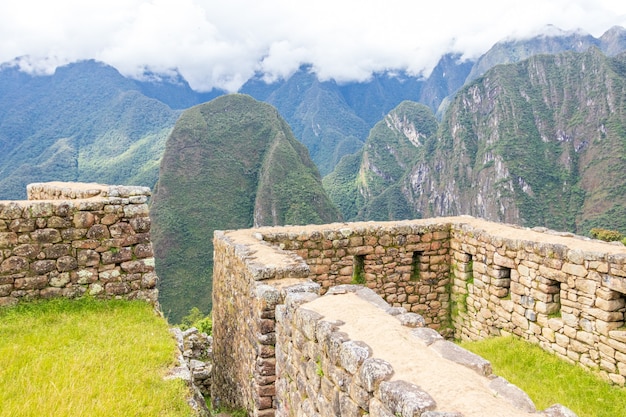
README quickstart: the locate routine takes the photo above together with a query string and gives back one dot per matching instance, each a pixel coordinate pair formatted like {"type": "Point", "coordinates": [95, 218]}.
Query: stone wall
{"type": "Point", "coordinates": [567, 296]}
{"type": "Point", "coordinates": [406, 263]}
{"type": "Point", "coordinates": [465, 276]}
{"type": "Point", "coordinates": [72, 239]}
{"type": "Point", "coordinates": [322, 370]}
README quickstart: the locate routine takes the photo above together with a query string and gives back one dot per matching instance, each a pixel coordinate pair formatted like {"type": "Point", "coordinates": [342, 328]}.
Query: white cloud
{"type": "Point", "coordinates": [221, 44]}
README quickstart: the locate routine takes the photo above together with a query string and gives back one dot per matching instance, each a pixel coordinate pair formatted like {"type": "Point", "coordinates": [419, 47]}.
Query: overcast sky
{"type": "Point", "coordinates": [222, 43]}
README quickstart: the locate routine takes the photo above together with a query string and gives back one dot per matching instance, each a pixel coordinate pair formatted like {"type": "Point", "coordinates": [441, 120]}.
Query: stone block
{"type": "Point", "coordinates": [519, 321]}
{"type": "Point", "coordinates": [378, 409]}
{"type": "Point", "coordinates": [558, 410]}
{"type": "Point", "coordinates": [404, 398]}
{"type": "Point", "coordinates": [117, 255]}
{"type": "Point", "coordinates": [14, 264]}
{"type": "Point", "coordinates": [411, 320]}
{"type": "Point", "coordinates": [31, 283]}
{"type": "Point", "coordinates": [352, 354]}
{"type": "Point", "coordinates": [373, 371]}
{"type": "Point", "coordinates": [618, 335]}
{"type": "Point", "coordinates": [66, 263]}
{"type": "Point", "coordinates": [306, 320]}
{"type": "Point", "coordinates": [503, 261]}
{"type": "Point", "coordinates": [513, 394]}
{"type": "Point", "coordinates": [615, 283]}
{"type": "Point", "coordinates": [83, 219]}
{"type": "Point", "coordinates": [610, 305]}
{"type": "Point", "coordinates": [573, 269]}
{"type": "Point", "coordinates": [457, 354]}
{"type": "Point", "coordinates": [60, 280]}
{"type": "Point", "coordinates": [116, 288]}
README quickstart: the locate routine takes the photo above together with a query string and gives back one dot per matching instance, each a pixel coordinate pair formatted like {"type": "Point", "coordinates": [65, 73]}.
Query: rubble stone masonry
{"type": "Point", "coordinates": [467, 278]}
{"type": "Point", "coordinates": [72, 239]}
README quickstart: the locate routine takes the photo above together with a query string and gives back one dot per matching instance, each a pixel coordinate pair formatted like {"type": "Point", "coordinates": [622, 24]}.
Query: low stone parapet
{"type": "Point", "coordinates": [71, 240]}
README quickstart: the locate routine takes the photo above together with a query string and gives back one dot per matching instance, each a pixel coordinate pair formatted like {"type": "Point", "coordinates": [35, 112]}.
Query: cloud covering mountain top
{"type": "Point", "coordinates": [222, 44]}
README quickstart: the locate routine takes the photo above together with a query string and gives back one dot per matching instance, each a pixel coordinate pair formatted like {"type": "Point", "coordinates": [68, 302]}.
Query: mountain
{"type": "Point", "coordinates": [84, 123]}
{"type": "Point", "coordinates": [539, 143]}
{"type": "Point", "coordinates": [332, 119]}
{"type": "Point", "coordinates": [230, 163]}
{"type": "Point", "coordinates": [365, 185]}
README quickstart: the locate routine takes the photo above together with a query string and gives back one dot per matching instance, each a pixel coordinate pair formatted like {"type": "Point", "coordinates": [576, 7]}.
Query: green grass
{"type": "Point", "coordinates": [549, 380]}
{"type": "Point", "coordinates": [87, 358]}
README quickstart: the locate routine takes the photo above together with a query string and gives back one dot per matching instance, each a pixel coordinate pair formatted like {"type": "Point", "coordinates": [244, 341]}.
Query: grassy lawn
{"type": "Point", "coordinates": [549, 380]}
{"type": "Point", "coordinates": [87, 358]}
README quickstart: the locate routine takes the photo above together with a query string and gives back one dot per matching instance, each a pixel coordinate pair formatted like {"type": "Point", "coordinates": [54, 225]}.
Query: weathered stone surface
{"type": "Point", "coordinates": [462, 356]}
{"type": "Point", "coordinates": [512, 394]}
{"type": "Point", "coordinates": [352, 354]}
{"type": "Point", "coordinates": [411, 320]}
{"type": "Point", "coordinates": [558, 410]}
{"type": "Point", "coordinates": [427, 335]}
{"type": "Point", "coordinates": [405, 399]}
{"type": "Point", "coordinates": [8, 240]}
{"type": "Point", "coordinates": [116, 255]}
{"type": "Point", "coordinates": [46, 236]}
{"type": "Point", "coordinates": [378, 409]}
{"type": "Point", "coordinates": [98, 232]}
{"type": "Point", "coordinates": [66, 263]}
{"type": "Point", "coordinates": [31, 283]}
{"type": "Point", "coordinates": [373, 372]}
{"type": "Point", "coordinates": [14, 264]}
{"type": "Point", "coordinates": [83, 220]}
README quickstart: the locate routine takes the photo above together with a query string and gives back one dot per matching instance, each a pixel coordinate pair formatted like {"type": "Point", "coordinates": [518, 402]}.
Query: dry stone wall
{"type": "Point", "coordinates": [322, 370]}
{"type": "Point", "coordinates": [406, 263]}
{"type": "Point", "coordinates": [569, 300]}
{"type": "Point", "coordinates": [72, 239]}
{"type": "Point", "coordinates": [465, 277]}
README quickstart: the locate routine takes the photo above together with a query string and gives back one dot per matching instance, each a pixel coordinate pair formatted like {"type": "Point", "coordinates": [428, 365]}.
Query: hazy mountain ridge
{"type": "Point", "coordinates": [84, 123]}
{"type": "Point", "coordinates": [230, 163]}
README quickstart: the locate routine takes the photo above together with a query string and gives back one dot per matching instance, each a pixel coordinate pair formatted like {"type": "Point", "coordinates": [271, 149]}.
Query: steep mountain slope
{"type": "Point", "coordinates": [365, 185]}
{"type": "Point", "coordinates": [84, 123]}
{"type": "Point", "coordinates": [320, 118]}
{"type": "Point", "coordinates": [539, 143]}
{"type": "Point", "coordinates": [228, 164]}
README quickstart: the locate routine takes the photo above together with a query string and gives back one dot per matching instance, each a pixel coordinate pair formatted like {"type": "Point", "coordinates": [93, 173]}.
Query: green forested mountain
{"type": "Point", "coordinates": [228, 164]}
{"type": "Point", "coordinates": [540, 143]}
{"type": "Point", "coordinates": [84, 123]}
{"type": "Point", "coordinates": [332, 120]}
{"type": "Point", "coordinates": [365, 185]}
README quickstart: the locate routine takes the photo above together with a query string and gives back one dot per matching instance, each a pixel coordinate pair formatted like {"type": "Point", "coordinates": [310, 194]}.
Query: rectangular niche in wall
{"type": "Point", "coordinates": [416, 265]}
{"type": "Point", "coordinates": [358, 269]}
{"type": "Point", "coordinates": [501, 281]}
{"type": "Point", "coordinates": [466, 268]}
{"type": "Point", "coordinates": [551, 290]}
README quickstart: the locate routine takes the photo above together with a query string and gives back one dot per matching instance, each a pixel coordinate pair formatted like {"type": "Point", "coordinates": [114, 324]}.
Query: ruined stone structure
{"type": "Point", "coordinates": [465, 277]}
{"type": "Point", "coordinates": [71, 239]}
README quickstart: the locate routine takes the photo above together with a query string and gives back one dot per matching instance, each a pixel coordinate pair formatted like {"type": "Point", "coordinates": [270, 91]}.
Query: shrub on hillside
{"type": "Point", "coordinates": [606, 235]}
{"type": "Point", "coordinates": [196, 319]}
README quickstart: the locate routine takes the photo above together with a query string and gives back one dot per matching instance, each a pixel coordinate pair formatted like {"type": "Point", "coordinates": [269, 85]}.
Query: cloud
{"type": "Point", "coordinates": [222, 44]}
